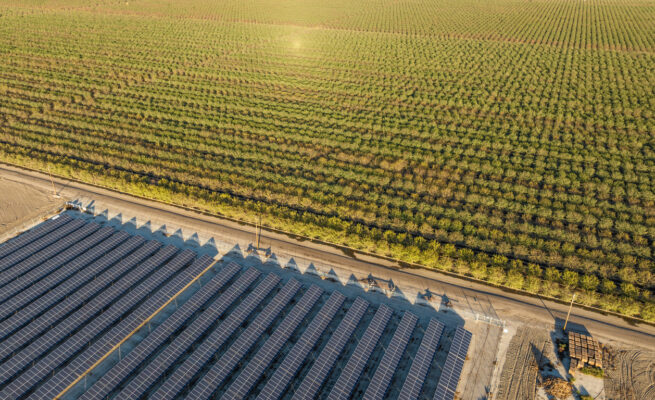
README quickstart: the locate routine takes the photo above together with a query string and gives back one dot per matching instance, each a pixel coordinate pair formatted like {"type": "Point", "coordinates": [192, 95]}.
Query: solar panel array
{"type": "Point", "coordinates": [353, 369]}
{"type": "Point", "coordinates": [452, 369]}
{"type": "Point", "coordinates": [378, 386]}
{"type": "Point", "coordinates": [96, 313]}
{"type": "Point", "coordinates": [411, 389]}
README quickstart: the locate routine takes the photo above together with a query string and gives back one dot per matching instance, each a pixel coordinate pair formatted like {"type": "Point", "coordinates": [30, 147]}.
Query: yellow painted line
{"type": "Point", "coordinates": [191, 282]}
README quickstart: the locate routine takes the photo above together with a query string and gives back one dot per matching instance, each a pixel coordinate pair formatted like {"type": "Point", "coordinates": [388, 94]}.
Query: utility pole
{"type": "Point", "coordinates": [258, 229]}
{"type": "Point", "coordinates": [54, 191]}
{"type": "Point", "coordinates": [569, 313]}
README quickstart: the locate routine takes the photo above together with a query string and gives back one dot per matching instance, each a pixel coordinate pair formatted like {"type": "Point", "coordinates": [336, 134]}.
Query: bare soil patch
{"type": "Point", "coordinates": [629, 374]}
{"type": "Point", "coordinates": [20, 203]}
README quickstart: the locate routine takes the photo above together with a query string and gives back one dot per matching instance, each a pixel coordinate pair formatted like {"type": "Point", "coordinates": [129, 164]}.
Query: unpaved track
{"type": "Point", "coordinates": [630, 375]}
{"type": "Point", "coordinates": [507, 305]}
{"type": "Point", "coordinates": [518, 380]}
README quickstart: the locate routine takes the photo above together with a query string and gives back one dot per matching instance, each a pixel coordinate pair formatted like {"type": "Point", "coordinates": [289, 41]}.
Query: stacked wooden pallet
{"type": "Point", "coordinates": [584, 350]}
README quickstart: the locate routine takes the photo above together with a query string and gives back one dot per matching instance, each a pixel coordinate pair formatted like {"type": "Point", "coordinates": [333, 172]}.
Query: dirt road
{"type": "Point", "coordinates": [507, 305]}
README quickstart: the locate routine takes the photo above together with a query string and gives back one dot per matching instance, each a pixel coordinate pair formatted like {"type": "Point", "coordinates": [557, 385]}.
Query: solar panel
{"type": "Point", "coordinates": [62, 275]}
{"type": "Point", "coordinates": [37, 257]}
{"type": "Point", "coordinates": [452, 369]}
{"type": "Point", "coordinates": [422, 360]}
{"type": "Point", "coordinates": [379, 384]}
{"type": "Point", "coordinates": [253, 370]}
{"type": "Point", "coordinates": [357, 361]}
{"type": "Point", "coordinates": [221, 369]}
{"type": "Point", "coordinates": [72, 324]}
{"type": "Point", "coordinates": [325, 361]}
{"type": "Point", "coordinates": [27, 237]}
{"type": "Point", "coordinates": [278, 383]}
{"type": "Point", "coordinates": [151, 373]}
{"type": "Point", "coordinates": [52, 265]}
{"type": "Point", "coordinates": [81, 290]}
{"type": "Point", "coordinates": [6, 263]}
{"type": "Point", "coordinates": [135, 358]}
{"type": "Point", "coordinates": [147, 300]}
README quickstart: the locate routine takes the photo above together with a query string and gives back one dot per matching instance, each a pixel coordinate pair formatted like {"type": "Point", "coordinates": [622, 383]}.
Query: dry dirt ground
{"type": "Point", "coordinates": [527, 350]}
{"type": "Point", "coordinates": [479, 367]}
{"type": "Point", "coordinates": [21, 203]}
{"type": "Point", "coordinates": [629, 375]}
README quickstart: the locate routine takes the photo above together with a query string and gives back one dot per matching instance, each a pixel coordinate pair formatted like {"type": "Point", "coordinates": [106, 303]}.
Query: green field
{"type": "Point", "coordinates": [509, 140]}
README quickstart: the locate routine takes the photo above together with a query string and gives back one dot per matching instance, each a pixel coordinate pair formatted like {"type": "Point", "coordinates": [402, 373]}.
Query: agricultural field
{"type": "Point", "coordinates": [512, 141]}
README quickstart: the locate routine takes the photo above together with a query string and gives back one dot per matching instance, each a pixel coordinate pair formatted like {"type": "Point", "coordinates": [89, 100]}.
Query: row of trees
{"type": "Point", "coordinates": [426, 149]}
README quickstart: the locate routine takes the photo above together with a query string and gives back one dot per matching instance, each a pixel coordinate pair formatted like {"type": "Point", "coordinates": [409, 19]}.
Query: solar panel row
{"type": "Point", "coordinates": [288, 368]}
{"type": "Point", "coordinates": [77, 296]}
{"type": "Point", "coordinates": [452, 369]}
{"type": "Point", "coordinates": [84, 325]}
{"type": "Point", "coordinates": [254, 369]}
{"type": "Point", "coordinates": [27, 237]}
{"type": "Point", "coordinates": [328, 356]}
{"type": "Point", "coordinates": [9, 261]}
{"type": "Point", "coordinates": [221, 369]}
{"type": "Point", "coordinates": [352, 371]}
{"type": "Point", "coordinates": [156, 368]}
{"type": "Point", "coordinates": [55, 264]}
{"type": "Point", "coordinates": [422, 360]}
{"type": "Point", "coordinates": [112, 379]}
{"type": "Point", "coordinates": [379, 384]}
{"type": "Point", "coordinates": [71, 291]}
{"type": "Point", "coordinates": [34, 259]}
{"type": "Point", "coordinates": [61, 276]}
{"type": "Point", "coordinates": [208, 348]}
{"type": "Point", "coordinates": [148, 298]}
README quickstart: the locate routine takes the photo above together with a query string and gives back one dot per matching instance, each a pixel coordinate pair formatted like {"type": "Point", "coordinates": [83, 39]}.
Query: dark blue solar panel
{"type": "Point", "coordinates": [151, 373]}
{"type": "Point", "coordinates": [325, 361]}
{"type": "Point", "coordinates": [24, 266]}
{"type": "Point", "coordinates": [71, 325]}
{"type": "Point", "coordinates": [129, 364]}
{"type": "Point", "coordinates": [453, 367]}
{"type": "Point", "coordinates": [151, 300]}
{"type": "Point", "coordinates": [28, 237]}
{"type": "Point", "coordinates": [422, 360]}
{"type": "Point", "coordinates": [379, 384]}
{"type": "Point", "coordinates": [10, 262]}
{"type": "Point", "coordinates": [55, 268]}
{"type": "Point", "coordinates": [78, 289]}
{"type": "Point", "coordinates": [278, 383]}
{"type": "Point", "coordinates": [243, 384]}
{"type": "Point", "coordinates": [222, 368]}
{"type": "Point", "coordinates": [353, 369]}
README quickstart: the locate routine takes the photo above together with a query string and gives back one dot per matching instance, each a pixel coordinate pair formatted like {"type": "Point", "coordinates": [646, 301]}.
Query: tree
{"type": "Point", "coordinates": [570, 278]}
{"type": "Point", "coordinates": [589, 282]}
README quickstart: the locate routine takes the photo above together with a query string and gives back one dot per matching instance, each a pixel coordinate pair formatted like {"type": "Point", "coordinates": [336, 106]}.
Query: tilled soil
{"type": "Point", "coordinates": [630, 375]}
{"type": "Point", "coordinates": [518, 380]}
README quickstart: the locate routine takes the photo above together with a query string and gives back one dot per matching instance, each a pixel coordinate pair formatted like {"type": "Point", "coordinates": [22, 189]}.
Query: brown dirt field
{"type": "Point", "coordinates": [629, 375]}
{"type": "Point", "coordinates": [527, 350]}
{"type": "Point", "coordinates": [20, 204]}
